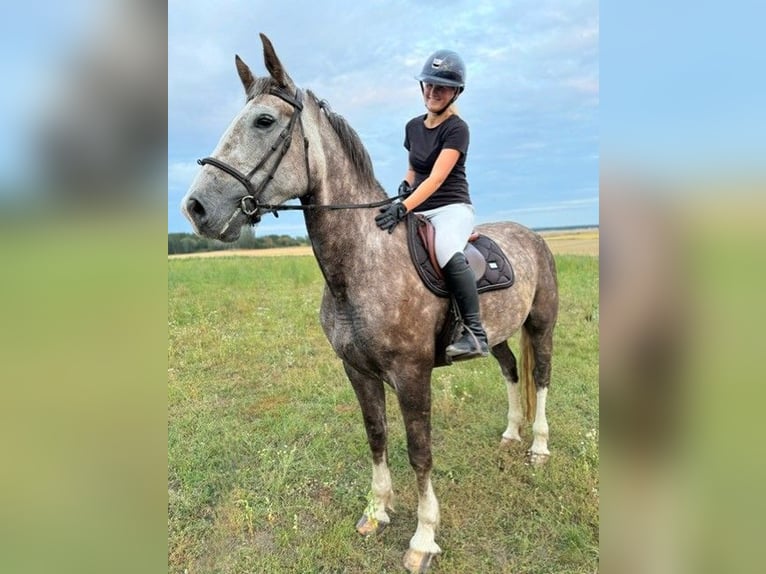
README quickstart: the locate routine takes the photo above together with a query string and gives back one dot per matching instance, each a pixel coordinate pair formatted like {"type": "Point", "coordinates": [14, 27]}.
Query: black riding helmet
{"type": "Point", "coordinates": [444, 68]}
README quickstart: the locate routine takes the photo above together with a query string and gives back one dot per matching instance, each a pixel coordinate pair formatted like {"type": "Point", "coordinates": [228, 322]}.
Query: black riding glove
{"type": "Point", "coordinates": [390, 216]}
{"type": "Point", "coordinates": [405, 190]}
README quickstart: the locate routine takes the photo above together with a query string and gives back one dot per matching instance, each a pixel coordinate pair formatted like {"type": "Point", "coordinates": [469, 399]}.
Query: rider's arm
{"type": "Point", "coordinates": [442, 168]}
{"type": "Point", "coordinates": [409, 177]}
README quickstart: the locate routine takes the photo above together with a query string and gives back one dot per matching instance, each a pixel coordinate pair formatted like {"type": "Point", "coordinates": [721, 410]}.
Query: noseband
{"type": "Point", "coordinates": [248, 204]}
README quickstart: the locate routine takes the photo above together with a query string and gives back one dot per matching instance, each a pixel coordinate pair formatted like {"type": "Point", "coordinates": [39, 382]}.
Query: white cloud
{"type": "Point", "coordinates": [557, 206]}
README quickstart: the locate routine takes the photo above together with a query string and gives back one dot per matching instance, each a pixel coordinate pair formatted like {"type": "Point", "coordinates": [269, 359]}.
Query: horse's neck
{"type": "Point", "coordinates": [344, 240]}
{"type": "Point", "coordinates": [342, 182]}
{"type": "Point", "coordinates": [339, 235]}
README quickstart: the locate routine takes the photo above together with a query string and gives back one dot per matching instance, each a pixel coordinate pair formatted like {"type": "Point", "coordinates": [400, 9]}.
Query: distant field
{"type": "Point", "coordinates": [268, 464]}
{"type": "Point", "coordinates": [572, 242]}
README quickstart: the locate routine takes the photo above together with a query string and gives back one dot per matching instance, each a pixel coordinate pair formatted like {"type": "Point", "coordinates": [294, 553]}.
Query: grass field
{"type": "Point", "coordinates": [268, 463]}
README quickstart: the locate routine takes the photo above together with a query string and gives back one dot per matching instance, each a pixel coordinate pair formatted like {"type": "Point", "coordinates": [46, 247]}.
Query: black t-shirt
{"type": "Point", "coordinates": [425, 145]}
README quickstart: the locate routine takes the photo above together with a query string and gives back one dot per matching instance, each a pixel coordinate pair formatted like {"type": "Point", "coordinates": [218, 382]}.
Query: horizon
{"type": "Point", "coordinates": [535, 229]}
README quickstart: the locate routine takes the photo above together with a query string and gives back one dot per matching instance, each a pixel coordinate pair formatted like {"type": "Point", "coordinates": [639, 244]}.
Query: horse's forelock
{"type": "Point", "coordinates": [260, 86]}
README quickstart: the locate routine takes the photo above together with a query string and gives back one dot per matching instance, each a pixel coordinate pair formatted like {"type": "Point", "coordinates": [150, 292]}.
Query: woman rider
{"type": "Point", "coordinates": [437, 143]}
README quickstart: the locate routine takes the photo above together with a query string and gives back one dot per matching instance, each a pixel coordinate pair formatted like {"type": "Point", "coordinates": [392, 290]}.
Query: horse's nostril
{"type": "Point", "coordinates": [195, 207]}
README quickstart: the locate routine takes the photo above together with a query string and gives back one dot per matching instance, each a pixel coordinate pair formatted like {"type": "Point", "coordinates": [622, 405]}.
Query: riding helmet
{"type": "Point", "coordinates": [444, 68]}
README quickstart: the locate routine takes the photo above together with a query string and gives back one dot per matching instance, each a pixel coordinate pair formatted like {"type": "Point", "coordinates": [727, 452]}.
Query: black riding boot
{"type": "Point", "coordinates": [462, 284]}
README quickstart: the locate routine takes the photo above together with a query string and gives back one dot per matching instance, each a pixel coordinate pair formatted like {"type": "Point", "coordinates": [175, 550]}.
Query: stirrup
{"type": "Point", "coordinates": [476, 348]}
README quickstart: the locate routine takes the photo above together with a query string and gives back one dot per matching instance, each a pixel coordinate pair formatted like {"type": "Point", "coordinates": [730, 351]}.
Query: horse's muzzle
{"type": "Point", "coordinates": [194, 210]}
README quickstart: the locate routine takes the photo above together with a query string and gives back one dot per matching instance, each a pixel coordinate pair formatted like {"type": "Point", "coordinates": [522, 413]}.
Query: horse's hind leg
{"type": "Point", "coordinates": [537, 335]}
{"type": "Point", "coordinates": [537, 343]}
{"type": "Point", "coordinates": [372, 399]}
{"type": "Point", "coordinates": [507, 360]}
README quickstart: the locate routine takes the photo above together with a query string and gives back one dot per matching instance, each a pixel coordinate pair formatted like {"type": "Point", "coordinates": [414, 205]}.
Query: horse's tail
{"type": "Point", "coordinates": [527, 376]}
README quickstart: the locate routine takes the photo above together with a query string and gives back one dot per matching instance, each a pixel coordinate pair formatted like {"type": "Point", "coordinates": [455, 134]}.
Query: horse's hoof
{"type": "Point", "coordinates": [417, 562]}
{"type": "Point", "coordinates": [368, 526]}
{"type": "Point", "coordinates": [537, 458]}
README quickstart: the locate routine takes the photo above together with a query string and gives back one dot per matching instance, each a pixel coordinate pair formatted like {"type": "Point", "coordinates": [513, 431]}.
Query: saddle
{"type": "Point", "coordinates": [489, 264]}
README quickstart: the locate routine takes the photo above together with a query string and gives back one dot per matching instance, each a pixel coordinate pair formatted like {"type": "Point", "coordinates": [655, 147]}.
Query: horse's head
{"type": "Point", "coordinates": [260, 160]}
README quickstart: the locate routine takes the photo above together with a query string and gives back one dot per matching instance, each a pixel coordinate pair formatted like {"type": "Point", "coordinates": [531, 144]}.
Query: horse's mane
{"type": "Point", "coordinates": [350, 142]}
{"type": "Point", "coordinates": [349, 139]}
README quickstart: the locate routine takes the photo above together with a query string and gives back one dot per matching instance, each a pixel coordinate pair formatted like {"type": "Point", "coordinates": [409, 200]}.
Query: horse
{"type": "Point", "coordinates": [380, 319]}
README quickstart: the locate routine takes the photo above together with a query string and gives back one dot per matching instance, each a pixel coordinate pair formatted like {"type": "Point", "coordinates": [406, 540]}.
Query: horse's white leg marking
{"type": "Point", "coordinates": [540, 426]}
{"type": "Point", "coordinates": [428, 519]}
{"type": "Point", "coordinates": [515, 414]}
{"type": "Point", "coordinates": [382, 493]}
{"type": "Point", "coordinates": [375, 517]}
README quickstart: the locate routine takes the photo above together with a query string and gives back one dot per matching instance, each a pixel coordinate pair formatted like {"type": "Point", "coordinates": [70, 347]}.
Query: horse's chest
{"type": "Point", "coordinates": [351, 331]}
{"type": "Point", "coordinates": [345, 327]}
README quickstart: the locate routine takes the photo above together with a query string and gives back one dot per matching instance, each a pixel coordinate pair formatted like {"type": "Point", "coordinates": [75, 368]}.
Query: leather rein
{"type": "Point", "coordinates": [248, 204]}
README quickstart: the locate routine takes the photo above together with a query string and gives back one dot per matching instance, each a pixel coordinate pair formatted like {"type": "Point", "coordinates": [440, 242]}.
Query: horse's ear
{"type": "Point", "coordinates": [244, 73]}
{"type": "Point", "coordinates": [274, 66]}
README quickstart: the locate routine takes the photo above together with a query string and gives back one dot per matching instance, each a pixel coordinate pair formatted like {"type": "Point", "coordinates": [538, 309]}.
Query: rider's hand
{"type": "Point", "coordinates": [390, 216]}
{"type": "Point", "coordinates": [404, 189]}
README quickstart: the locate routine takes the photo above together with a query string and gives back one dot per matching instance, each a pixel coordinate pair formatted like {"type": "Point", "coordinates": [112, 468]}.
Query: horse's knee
{"type": "Point", "coordinates": [376, 432]}
{"type": "Point", "coordinates": [421, 460]}
{"type": "Point", "coordinates": [377, 437]}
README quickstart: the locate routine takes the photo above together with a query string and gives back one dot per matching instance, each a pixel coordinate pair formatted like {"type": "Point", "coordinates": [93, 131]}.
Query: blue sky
{"type": "Point", "coordinates": [532, 96]}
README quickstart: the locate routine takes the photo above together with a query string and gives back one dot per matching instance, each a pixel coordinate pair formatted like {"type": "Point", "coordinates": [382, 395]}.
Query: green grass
{"type": "Point", "coordinates": [268, 461]}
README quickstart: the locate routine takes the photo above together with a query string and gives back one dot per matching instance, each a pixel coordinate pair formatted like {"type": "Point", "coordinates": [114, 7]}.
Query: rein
{"type": "Point", "coordinates": [249, 204]}
{"type": "Point", "coordinates": [329, 207]}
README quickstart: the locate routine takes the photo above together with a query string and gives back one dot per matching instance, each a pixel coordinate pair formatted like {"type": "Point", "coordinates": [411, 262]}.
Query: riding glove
{"type": "Point", "coordinates": [390, 216]}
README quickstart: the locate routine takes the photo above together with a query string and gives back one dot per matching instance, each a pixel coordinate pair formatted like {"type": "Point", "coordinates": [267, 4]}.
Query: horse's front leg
{"type": "Point", "coordinates": [372, 399]}
{"type": "Point", "coordinates": [415, 403]}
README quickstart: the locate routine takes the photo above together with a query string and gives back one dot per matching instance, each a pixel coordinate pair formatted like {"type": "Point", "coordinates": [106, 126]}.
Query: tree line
{"type": "Point", "coordinates": [190, 243]}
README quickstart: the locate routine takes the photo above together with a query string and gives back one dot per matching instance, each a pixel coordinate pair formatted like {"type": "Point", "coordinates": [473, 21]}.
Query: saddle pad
{"type": "Point", "coordinates": [498, 274]}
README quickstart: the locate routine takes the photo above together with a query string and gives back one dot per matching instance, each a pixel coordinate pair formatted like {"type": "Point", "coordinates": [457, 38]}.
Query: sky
{"type": "Point", "coordinates": [682, 87]}
{"type": "Point", "coordinates": [531, 98]}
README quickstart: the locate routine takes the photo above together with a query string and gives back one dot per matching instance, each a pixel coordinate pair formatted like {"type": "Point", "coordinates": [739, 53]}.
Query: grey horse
{"type": "Point", "coordinates": [377, 314]}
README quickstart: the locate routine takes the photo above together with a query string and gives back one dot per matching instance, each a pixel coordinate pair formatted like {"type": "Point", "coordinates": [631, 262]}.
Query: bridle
{"type": "Point", "coordinates": [248, 204]}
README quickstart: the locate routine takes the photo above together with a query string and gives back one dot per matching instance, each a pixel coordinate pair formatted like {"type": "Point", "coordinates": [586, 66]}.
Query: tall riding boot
{"type": "Point", "coordinates": [462, 283]}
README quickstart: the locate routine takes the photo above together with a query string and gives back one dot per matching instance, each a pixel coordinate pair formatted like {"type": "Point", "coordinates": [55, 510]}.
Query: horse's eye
{"type": "Point", "coordinates": [264, 121]}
